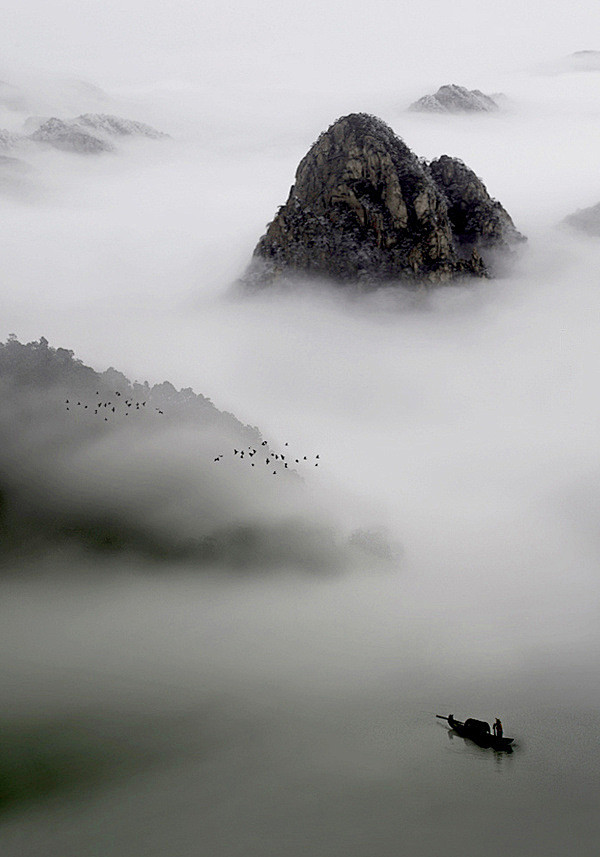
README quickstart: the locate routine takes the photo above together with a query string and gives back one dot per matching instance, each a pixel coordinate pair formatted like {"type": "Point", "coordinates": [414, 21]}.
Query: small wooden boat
{"type": "Point", "coordinates": [479, 732]}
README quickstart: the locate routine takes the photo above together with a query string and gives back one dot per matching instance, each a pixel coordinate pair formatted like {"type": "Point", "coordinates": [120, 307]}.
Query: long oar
{"type": "Point", "coordinates": [441, 716]}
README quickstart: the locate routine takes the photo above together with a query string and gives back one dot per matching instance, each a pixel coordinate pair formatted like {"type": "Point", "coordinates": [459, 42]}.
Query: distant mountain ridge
{"type": "Point", "coordinates": [585, 220]}
{"type": "Point", "coordinates": [92, 462]}
{"type": "Point", "coordinates": [70, 137]}
{"type": "Point", "coordinates": [89, 133]}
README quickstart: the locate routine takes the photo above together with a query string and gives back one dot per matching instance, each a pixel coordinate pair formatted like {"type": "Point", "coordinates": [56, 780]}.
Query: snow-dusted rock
{"type": "Point", "coordinates": [70, 137]}
{"type": "Point", "coordinates": [455, 99]}
{"type": "Point", "coordinates": [117, 126]}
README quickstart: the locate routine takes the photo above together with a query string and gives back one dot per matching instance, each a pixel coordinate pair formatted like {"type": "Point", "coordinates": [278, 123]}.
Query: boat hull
{"type": "Point", "coordinates": [482, 739]}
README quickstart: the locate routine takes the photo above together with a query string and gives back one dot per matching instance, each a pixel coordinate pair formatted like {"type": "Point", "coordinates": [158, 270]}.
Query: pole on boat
{"type": "Point", "coordinates": [441, 716]}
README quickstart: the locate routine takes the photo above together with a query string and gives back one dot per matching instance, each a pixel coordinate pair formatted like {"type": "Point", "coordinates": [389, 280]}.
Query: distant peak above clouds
{"type": "Point", "coordinates": [70, 137]}
{"type": "Point", "coordinates": [578, 61]}
{"type": "Point", "coordinates": [585, 220]}
{"type": "Point", "coordinates": [90, 133]}
{"type": "Point", "coordinates": [452, 98]}
{"type": "Point", "coordinates": [585, 60]}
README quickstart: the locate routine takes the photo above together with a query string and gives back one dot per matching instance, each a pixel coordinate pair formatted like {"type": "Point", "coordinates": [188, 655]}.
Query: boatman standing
{"type": "Point", "coordinates": [498, 731]}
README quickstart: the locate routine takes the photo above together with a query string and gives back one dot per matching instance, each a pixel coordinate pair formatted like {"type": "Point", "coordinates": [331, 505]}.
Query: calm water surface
{"type": "Point", "coordinates": [291, 716]}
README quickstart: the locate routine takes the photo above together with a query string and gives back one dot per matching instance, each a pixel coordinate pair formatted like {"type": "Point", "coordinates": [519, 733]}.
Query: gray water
{"type": "Point", "coordinates": [295, 716]}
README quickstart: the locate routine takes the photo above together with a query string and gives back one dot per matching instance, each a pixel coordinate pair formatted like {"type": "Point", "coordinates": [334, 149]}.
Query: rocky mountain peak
{"type": "Point", "coordinates": [69, 137]}
{"type": "Point", "coordinates": [364, 207]}
{"type": "Point", "coordinates": [89, 133]}
{"type": "Point", "coordinates": [452, 98]}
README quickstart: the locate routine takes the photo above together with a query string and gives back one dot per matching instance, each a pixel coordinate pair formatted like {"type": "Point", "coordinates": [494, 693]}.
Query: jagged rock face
{"type": "Point", "coordinates": [118, 126]}
{"type": "Point", "coordinates": [70, 138]}
{"type": "Point", "coordinates": [365, 208]}
{"type": "Point", "coordinates": [586, 220]}
{"type": "Point", "coordinates": [477, 219]}
{"type": "Point", "coordinates": [455, 99]}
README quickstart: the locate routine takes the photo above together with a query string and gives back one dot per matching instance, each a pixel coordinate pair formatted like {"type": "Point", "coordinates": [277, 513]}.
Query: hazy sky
{"type": "Point", "coordinates": [288, 44]}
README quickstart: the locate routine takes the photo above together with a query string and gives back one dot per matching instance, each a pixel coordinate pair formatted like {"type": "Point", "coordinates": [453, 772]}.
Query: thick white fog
{"type": "Point", "coordinates": [462, 421]}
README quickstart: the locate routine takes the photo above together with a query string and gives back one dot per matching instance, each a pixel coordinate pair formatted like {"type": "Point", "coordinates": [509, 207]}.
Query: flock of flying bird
{"type": "Point", "coordinates": [283, 461]}
{"type": "Point", "coordinates": [106, 409]}
{"type": "Point", "coordinates": [271, 459]}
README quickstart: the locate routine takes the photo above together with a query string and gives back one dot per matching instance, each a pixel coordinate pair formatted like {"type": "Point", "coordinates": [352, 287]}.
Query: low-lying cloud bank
{"type": "Point", "coordinates": [94, 462]}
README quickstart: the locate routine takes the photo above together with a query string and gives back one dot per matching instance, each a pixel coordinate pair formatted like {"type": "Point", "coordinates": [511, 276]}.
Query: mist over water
{"type": "Point", "coordinates": [158, 709]}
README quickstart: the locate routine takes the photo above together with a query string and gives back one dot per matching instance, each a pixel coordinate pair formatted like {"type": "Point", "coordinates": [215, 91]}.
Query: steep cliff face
{"type": "Point", "coordinates": [364, 207]}
{"type": "Point", "coordinates": [477, 219]}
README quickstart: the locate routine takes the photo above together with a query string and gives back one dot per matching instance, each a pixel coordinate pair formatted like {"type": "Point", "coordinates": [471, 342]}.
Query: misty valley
{"type": "Point", "coordinates": [274, 494]}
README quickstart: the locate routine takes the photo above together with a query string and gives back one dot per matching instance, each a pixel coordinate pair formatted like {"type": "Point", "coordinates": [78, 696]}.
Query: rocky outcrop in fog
{"type": "Point", "coordinates": [70, 138]}
{"type": "Point", "coordinates": [365, 208]}
{"type": "Point", "coordinates": [117, 126]}
{"type": "Point", "coordinates": [585, 220]}
{"type": "Point", "coordinates": [89, 133]}
{"type": "Point", "coordinates": [455, 99]}
{"type": "Point", "coordinates": [477, 219]}
{"type": "Point", "coordinates": [8, 140]}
